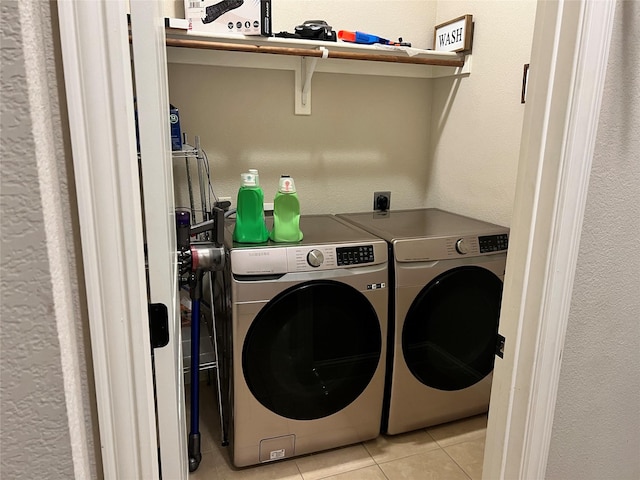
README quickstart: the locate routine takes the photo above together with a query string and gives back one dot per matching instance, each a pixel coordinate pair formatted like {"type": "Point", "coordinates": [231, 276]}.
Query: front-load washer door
{"type": "Point", "coordinates": [312, 350]}
{"type": "Point", "coordinates": [449, 333]}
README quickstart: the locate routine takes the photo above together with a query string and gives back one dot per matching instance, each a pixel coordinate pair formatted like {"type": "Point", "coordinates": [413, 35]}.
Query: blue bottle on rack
{"type": "Point", "coordinates": [286, 213]}
{"type": "Point", "coordinates": [250, 226]}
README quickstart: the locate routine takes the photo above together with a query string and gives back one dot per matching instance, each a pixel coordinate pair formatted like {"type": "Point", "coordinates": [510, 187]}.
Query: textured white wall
{"type": "Point", "coordinates": [365, 134]}
{"type": "Point", "coordinates": [477, 121]}
{"type": "Point", "coordinates": [428, 146]}
{"type": "Point", "coordinates": [47, 426]}
{"type": "Point", "coordinates": [596, 429]}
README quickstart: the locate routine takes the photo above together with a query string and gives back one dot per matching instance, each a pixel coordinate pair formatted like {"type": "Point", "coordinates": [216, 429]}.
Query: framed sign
{"type": "Point", "coordinates": [454, 35]}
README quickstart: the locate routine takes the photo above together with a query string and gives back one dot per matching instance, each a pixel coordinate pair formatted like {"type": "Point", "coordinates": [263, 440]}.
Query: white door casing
{"type": "Point", "coordinates": [568, 66]}
{"type": "Point", "coordinates": [150, 72]}
{"type": "Point", "coordinates": [97, 71]}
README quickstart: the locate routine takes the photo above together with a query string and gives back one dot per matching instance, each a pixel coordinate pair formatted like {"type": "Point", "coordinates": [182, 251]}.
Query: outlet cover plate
{"type": "Point", "coordinates": [380, 197]}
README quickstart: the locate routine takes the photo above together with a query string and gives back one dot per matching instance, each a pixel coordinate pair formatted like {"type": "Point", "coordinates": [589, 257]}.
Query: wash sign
{"type": "Point", "coordinates": [454, 35]}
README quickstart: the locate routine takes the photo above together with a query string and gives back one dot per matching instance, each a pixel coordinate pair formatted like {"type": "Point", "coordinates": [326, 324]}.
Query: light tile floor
{"type": "Point", "coordinates": [453, 451]}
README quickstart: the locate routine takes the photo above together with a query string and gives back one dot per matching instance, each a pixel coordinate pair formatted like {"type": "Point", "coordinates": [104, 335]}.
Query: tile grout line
{"type": "Point", "coordinates": [346, 471]}
{"type": "Point", "coordinates": [375, 462]}
{"type": "Point", "coordinates": [409, 456]}
{"type": "Point", "coordinates": [422, 453]}
{"type": "Point", "coordinates": [295, 461]}
{"type": "Point", "coordinates": [459, 466]}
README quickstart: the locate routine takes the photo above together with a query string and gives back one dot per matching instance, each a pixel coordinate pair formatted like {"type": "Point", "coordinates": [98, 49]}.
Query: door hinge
{"type": "Point", "coordinates": [500, 346]}
{"type": "Point", "coordinates": [158, 325]}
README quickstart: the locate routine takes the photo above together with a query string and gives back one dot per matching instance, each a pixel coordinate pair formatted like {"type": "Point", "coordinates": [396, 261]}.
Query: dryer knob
{"type": "Point", "coordinates": [315, 258]}
{"type": "Point", "coordinates": [461, 247]}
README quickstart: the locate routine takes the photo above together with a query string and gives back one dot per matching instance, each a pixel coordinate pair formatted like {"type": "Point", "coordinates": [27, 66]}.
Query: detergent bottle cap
{"type": "Point", "coordinates": [286, 184]}
{"type": "Point", "coordinates": [248, 179]}
{"type": "Point", "coordinates": [254, 172]}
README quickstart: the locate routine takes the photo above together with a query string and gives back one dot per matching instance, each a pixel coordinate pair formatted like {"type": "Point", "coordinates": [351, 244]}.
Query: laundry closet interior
{"type": "Point", "coordinates": [449, 143]}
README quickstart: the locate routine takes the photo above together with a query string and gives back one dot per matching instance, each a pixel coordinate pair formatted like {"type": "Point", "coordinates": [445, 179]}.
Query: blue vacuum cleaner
{"type": "Point", "coordinates": [194, 259]}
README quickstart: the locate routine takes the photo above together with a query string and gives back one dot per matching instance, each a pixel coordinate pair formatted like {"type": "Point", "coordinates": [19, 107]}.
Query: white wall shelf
{"type": "Point", "coordinates": [304, 57]}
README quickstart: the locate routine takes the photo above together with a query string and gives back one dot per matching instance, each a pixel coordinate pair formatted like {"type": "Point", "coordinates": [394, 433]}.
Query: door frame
{"type": "Point", "coordinates": [148, 47]}
{"type": "Point", "coordinates": [97, 75]}
{"type": "Point", "coordinates": [569, 62]}
{"type": "Point", "coordinates": [556, 150]}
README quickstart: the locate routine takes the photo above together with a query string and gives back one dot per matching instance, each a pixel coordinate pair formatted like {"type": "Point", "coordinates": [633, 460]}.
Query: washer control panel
{"type": "Point", "coordinates": [493, 243]}
{"type": "Point", "coordinates": [325, 257]}
{"type": "Point", "coordinates": [354, 255]}
{"type": "Point", "coordinates": [290, 259]}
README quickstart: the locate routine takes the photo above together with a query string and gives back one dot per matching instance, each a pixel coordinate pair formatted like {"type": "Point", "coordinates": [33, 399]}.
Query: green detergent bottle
{"type": "Point", "coordinates": [286, 213]}
{"type": "Point", "coordinates": [250, 226]}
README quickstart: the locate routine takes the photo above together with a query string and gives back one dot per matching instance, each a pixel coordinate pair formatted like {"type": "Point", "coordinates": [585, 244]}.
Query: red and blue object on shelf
{"type": "Point", "coordinates": [368, 39]}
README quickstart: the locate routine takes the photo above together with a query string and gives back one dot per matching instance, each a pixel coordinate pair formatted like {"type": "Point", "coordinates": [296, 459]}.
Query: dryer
{"type": "Point", "coordinates": [303, 331]}
{"type": "Point", "coordinates": [447, 277]}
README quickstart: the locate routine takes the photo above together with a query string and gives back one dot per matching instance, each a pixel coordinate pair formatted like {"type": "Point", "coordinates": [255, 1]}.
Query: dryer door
{"type": "Point", "coordinates": [312, 350]}
{"type": "Point", "coordinates": [449, 333]}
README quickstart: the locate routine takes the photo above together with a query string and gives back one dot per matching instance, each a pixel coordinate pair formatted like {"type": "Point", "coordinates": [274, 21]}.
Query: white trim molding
{"type": "Point", "coordinates": [97, 70]}
{"type": "Point", "coordinates": [568, 66]}
{"type": "Point", "coordinates": [156, 164]}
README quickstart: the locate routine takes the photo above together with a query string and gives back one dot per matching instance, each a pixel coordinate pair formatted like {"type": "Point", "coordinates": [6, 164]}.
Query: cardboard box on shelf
{"type": "Point", "coordinates": [243, 17]}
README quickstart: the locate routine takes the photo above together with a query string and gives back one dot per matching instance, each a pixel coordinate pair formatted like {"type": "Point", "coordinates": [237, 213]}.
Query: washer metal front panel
{"type": "Point", "coordinates": [258, 274]}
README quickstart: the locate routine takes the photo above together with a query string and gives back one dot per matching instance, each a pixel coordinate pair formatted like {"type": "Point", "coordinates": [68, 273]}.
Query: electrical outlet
{"type": "Point", "coordinates": [221, 203]}
{"type": "Point", "coordinates": [381, 201]}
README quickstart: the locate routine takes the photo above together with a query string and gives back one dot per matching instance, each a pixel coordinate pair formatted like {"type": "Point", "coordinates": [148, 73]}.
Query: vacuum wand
{"type": "Point", "coordinates": [195, 455]}
{"type": "Point", "coordinates": [194, 260]}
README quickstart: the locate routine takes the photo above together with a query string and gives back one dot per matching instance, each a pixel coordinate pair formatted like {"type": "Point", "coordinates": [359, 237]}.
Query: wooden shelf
{"type": "Point", "coordinates": [304, 57]}
{"type": "Point", "coordinates": [313, 49]}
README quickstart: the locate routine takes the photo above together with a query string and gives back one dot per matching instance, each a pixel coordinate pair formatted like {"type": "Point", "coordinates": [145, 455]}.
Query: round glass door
{"type": "Point", "coordinates": [312, 350]}
{"type": "Point", "coordinates": [449, 334]}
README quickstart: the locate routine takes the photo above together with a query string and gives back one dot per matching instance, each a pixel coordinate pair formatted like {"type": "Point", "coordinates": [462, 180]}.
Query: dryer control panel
{"type": "Point", "coordinates": [444, 248]}
{"type": "Point", "coordinates": [493, 243]}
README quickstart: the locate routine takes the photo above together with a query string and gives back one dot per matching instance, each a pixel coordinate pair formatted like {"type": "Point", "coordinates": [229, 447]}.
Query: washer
{"type": "Point", "coordinates": [303, 341]}
{"type": "Point", "coordinates": [447, 277]}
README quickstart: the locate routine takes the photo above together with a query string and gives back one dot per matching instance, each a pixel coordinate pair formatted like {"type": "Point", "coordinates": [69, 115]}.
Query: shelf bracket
{"type": "Point", "coordinates": [304, 74]}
